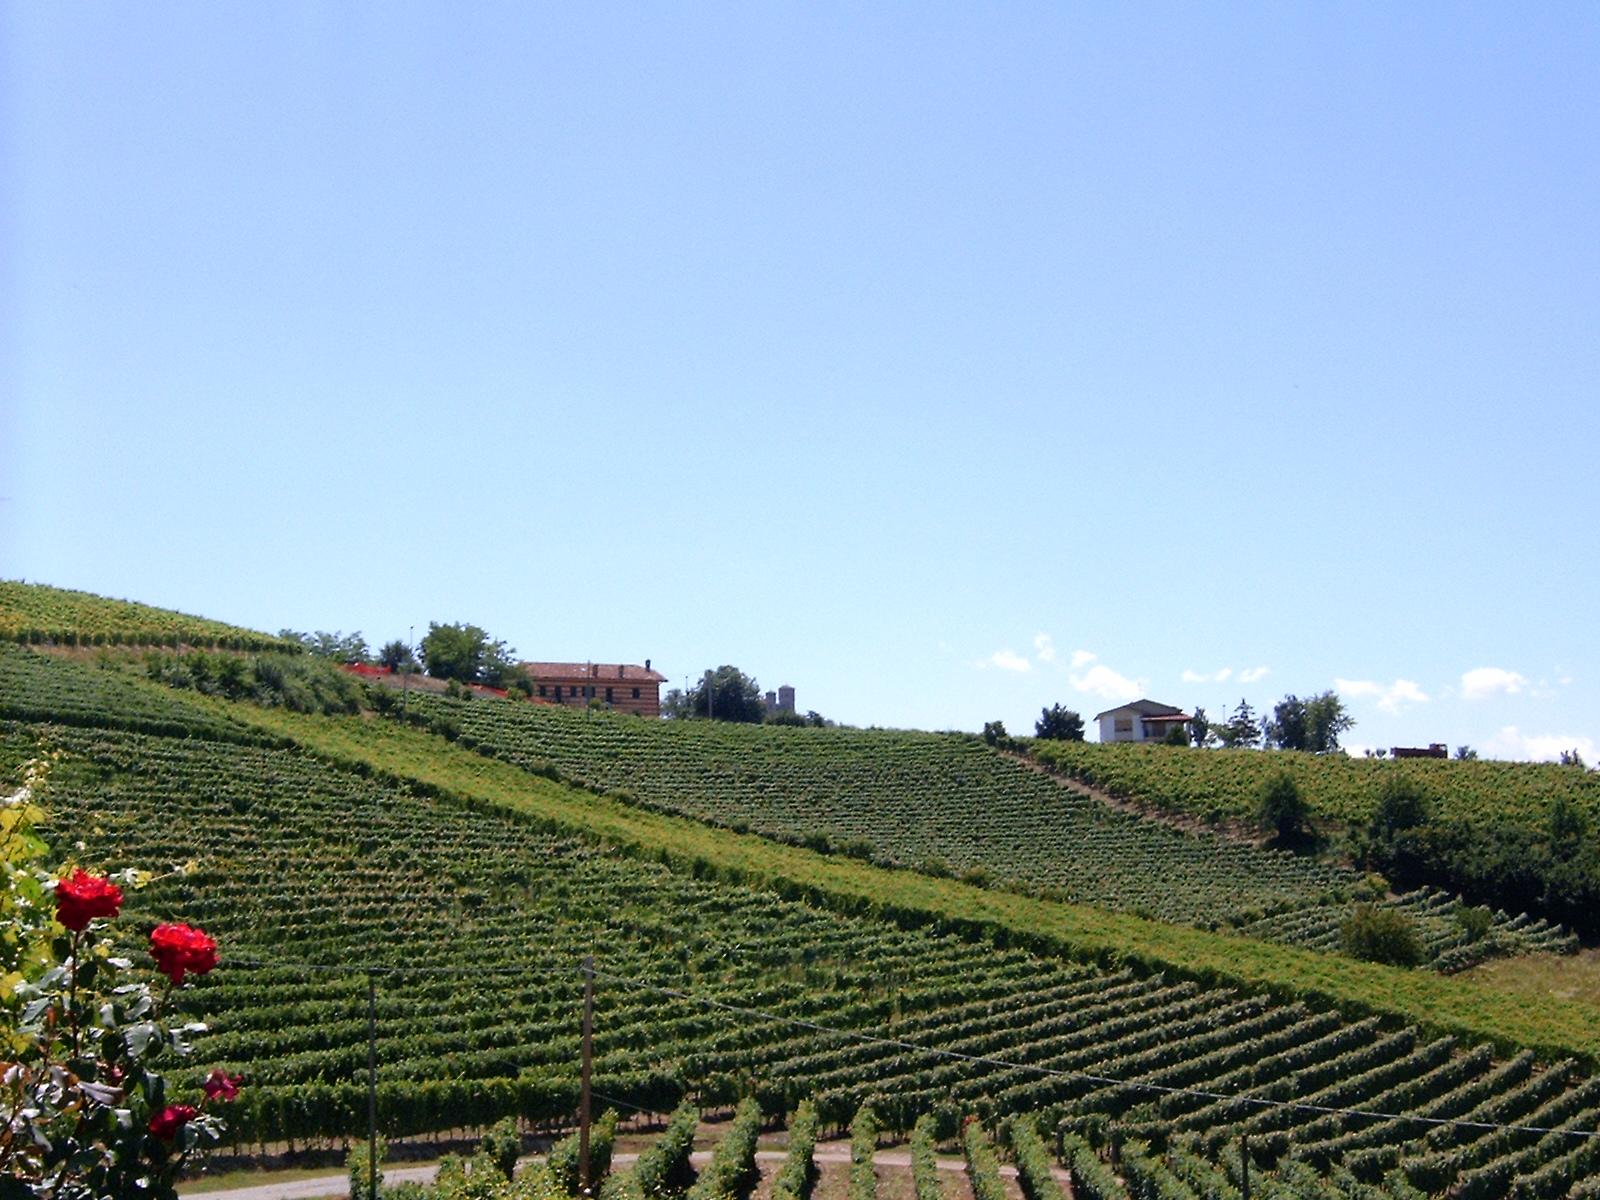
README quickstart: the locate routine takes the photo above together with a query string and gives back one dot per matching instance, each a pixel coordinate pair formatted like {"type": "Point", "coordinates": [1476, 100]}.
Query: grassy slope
{"type": "Point", "coordinates": [1456, 1003]}
{"type": "Point", "coordinates": [34, 611]}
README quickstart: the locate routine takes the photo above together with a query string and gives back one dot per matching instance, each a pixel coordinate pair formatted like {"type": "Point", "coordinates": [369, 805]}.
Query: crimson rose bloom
{"type": "Point", "coordinates": [166, 1123]}
{"type": "Point", "coordinates": [219, 1085]}
{"type": "Point", "coordinates": [81, 897]}
{"type": "Point", "coordinates": [180, 948]}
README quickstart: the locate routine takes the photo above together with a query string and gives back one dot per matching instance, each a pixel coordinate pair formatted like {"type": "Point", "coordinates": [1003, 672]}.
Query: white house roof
{"type": "Point", "coordinates": [1147, 709]}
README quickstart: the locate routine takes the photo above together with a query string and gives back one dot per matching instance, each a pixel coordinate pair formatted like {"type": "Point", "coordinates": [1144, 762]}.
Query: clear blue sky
{"type": "Point", "coordinates": [911, 355]}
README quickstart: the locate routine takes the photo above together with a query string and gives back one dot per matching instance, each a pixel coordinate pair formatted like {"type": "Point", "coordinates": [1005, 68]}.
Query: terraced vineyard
{"type": "Point", "coordinates": [1224, 783]}
{"type": "Point", "coordinates": [949, 804]}
{"type": "Point", "coordinates": [479, 920]}
{"type": "Point", "coordinates": [32, 612]}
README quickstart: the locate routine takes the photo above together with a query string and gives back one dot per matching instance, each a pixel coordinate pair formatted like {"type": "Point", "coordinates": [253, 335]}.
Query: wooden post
{"type": "Point", "coordinates": [372, 1086]}
{"type": "Point", "coordinates": [585, 1073]}
{"type": "Point", "coordinates": [1244, 1166]}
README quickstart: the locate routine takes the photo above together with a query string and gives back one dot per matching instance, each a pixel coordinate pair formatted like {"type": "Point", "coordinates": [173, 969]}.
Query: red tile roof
{"type": "Point", "coordinates": [591, 672]}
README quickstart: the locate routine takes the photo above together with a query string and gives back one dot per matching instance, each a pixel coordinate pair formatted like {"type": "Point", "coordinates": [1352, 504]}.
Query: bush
{"type": "Point", "coordinates": [1381, 934]}
{"type": "Point", "coordinates": [502, 1144]}
{"type": "Point", "coordinates": [1283, 812]}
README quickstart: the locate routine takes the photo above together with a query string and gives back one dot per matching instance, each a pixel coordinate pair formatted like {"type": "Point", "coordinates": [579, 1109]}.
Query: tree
{"type": "Point", "coordinates": [727, 694]}
{"type": "Point", "coordinates": [1287, 730]}
{"type": "Point", "coordinates": [1200, 729]}
{"type": "Point", "coordinates": [1059, 724]}
{"type": "Point", "coordinates": [464, 653]}
{"type": "Point", "coordinates": [1313, 725]}
{"type": "Point", "coordinates": [994, 732]}
{"type": "Point", "coordinates": [1283, 812]}
{"type": "Point", "coordinates": [1465, 754]}
{"type": "Point", "coordinates": [1241, 730]}
{"type": "Point", "coordinates": [397, 656]}
{"type": "Point", "coordinates": [1571, 758]}
{"type": "Point", "coordinates": [339, 646]}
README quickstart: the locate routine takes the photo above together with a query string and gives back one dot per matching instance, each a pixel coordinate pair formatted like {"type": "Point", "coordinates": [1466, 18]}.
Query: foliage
{"type": "Point", "coordinates": [994, 733]}
{"type": "Point", "coordinates": [1314, 725]}
{"type": "Point", "coordinates": [1059, 724]}
{"type": "Point", "coordinates": [925, 1160]}
{"type": "Point", "coordinates": [87, 1112]}
{"type": "Point", "coordinates": [1283, 813]}
{"type": "Point", "coordinates": [37, 614]}
{"type": "Point", "coordinates": [1381, 935]}
{"type": "Point", "coordinates": [726, 694]}
{"type": "Point", "coordinates": [663, 1169]}
{"type": "Point", "coordinates": [863, 1146]}
{"type": "Point", "coordinates": [296, 682]}
{"type": "Point", "coordinates": [1241, 731]}
{"type": "Point", "coordinates": [982, 1170]}
{"type": "Point", "coordinates": [501, 1144]}
{"type": "Point", "coordinates": [797, 1177]}
{"type": "Point", "coordinates": [466, 654]}
{"type": "Point", "coordinates": [1200, 731]}
{"type": "Point", "coordinates": [338, 646]}
{"type": "Point", "coordinates": [364, 1167]}
{"type": "Point", "coordinates": [563, 1159]}
{"type": "Point", "coordinates": [1035, 1173]}
{"type": "Point", "coordinates": [1571, 758]}
{"type": "Point", "coordinates": [731, 1174]}
{"type": "Point", "coordinates": [397, 656]}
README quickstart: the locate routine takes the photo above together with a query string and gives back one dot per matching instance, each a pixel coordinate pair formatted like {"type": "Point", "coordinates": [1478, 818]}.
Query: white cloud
{"type": "Point", "coordinates": [1218, 676]}
{"type": "Point", "coordinates": [1511, 742]}
{"type": "Point", "coordinates": [1044, 647]}
{"type": "Point", "coordinates": [1483, 682]}
{"type": "Point", "coordinates": [1254, 674]}
{"type": "Point", "coordinates": [1007, 660]}
{"type": "Point", "coordinates": [1082, 658]}
{"type": "Point", "coordinates": [1100, 680]}
{"type": "Point", "coordinates": [1391, 697]}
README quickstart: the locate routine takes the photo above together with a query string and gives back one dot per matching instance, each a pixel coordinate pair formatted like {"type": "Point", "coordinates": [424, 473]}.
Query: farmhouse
{"type": "Point", "coordinates": [1141, 721]}
{"type": "Point", "coordinates": [622, 686]}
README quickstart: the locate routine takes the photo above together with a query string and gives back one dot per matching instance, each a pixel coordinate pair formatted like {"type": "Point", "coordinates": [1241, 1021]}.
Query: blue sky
{"type": "Point", "coordinates": [945, 362]}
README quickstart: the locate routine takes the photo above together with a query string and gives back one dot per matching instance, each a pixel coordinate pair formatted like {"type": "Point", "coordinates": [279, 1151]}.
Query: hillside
{"type": "Point", "coordinates": [1522, 835]}
{"type": "Point", "coordinates": [36, 613]}
{"type": "Point", "coordinates": [466, 875]}
{"type": "Point", "coordinates": [947, 804]}
{"type": "Point", "coordinates": [338, 847]}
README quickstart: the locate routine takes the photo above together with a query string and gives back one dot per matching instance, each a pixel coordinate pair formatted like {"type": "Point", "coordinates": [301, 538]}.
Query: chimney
{"type": "Point", "coordinates": [647, 664]}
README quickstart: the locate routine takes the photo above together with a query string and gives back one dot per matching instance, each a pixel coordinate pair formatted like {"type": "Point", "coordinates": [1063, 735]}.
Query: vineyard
{"type": "Point", "coordinates": [31, 612]}
{"type": "Point", "coordinates": [470, 922]}
{"type": "Point", "coordinates": [1223, 784]}
{"type": "Point", "coordinates": [475, 924]}
{"type": "Point", "coordinates": [947, 804]}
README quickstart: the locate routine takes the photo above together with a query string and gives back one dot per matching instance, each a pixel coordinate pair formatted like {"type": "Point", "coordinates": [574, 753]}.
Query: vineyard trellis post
{"type": "Point", "coordinates": [372, 1085]}
{"type": "Point", "coordinates": [1244, 1166]}
{"type": "Point", "coordinates": [585, 1071]}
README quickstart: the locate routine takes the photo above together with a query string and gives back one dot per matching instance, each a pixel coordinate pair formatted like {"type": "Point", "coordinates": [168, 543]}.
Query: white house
{"type": "Point", "coordinates": [1141, 721]}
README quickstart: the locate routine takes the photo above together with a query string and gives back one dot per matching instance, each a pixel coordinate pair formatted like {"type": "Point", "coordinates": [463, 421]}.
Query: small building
{"type": "Point", "coordinates": [1432, 750]}
{"type": "Point", "coordinates": [1141, 721]}
{"type": "Point", "coordinates": [781, 701]}
{"type": "Point", "coordinates": [622, 686]}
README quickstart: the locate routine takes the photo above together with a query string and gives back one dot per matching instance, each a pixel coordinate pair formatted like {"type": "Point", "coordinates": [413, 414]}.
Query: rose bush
{"type": "Point", "coordinates": [85, 1113]}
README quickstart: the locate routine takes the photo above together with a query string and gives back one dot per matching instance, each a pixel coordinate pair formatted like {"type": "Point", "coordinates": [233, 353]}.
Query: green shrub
{"type": "Point", "coordinates": [1381, 934]}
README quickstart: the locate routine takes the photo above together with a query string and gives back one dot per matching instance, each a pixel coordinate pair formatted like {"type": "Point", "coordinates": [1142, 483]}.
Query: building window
{"type": "Point", "coordinates": [608, 695]}
{"type": "Point", "coordinates": [541, 689]}
{"type": "Point", "coordinates": [1123, 725]}
{"type": "Point", "coordinates": [635, 693]}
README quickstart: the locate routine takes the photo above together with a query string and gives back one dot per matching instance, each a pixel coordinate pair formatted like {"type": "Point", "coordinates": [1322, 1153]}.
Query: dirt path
{"type": "Point", "coordinates": [826, 1154]}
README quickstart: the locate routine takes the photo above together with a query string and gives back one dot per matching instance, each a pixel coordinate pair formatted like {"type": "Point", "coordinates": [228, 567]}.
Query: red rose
{"type": "Point", "coordinates": [219, 1085]}
{"type": "Point", "coordinates": [179, 948]}
{"type": "Point", "coordinates": [166, 1123]}
{"type": "Point", "coordinates": [81, 897]}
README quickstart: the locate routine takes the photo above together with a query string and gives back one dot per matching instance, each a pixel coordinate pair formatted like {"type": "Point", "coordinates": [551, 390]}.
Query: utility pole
{"type": "Point", "coordinates": [584, 1074]}
{"type": "Point", "coordinates": [405, 678]}
{"type": "Point", "coordinates": [372, 1086]}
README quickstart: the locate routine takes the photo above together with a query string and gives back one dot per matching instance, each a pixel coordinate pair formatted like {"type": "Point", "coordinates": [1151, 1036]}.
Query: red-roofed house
{"type": "Point", "coordinates": [1141, 721]}
{"type": "Point", "coordinates": [622, 686]}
